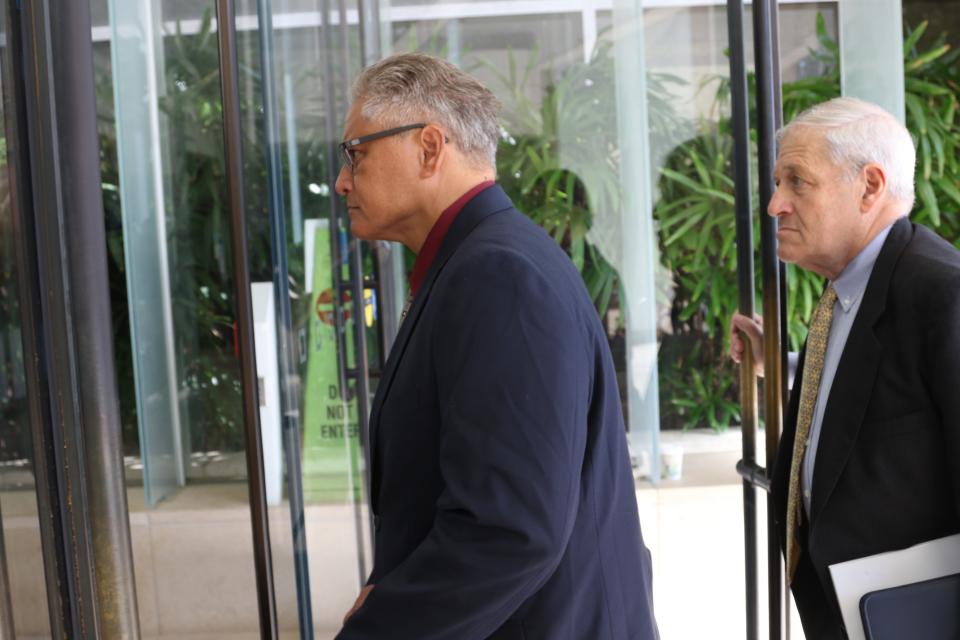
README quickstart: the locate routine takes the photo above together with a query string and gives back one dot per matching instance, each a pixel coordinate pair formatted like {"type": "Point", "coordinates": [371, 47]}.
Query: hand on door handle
{"type": "Point", "coordinates": [753, 329]}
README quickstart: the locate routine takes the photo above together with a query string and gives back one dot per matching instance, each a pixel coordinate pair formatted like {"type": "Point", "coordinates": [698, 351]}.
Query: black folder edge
{"type": "Point", "coordinates": [886, 597]}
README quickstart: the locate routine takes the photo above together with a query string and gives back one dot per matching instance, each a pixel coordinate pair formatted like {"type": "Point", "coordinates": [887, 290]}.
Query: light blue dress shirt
{"type": "Point", "coordinates": [850, 286]}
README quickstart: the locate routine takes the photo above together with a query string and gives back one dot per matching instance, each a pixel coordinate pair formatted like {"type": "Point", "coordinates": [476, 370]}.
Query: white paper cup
{"type": "Point", "coordinates": [671, 461]}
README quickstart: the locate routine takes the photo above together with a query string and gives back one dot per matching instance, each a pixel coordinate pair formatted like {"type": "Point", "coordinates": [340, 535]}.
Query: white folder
{"type": "Point", "coordinates": [855, 578]}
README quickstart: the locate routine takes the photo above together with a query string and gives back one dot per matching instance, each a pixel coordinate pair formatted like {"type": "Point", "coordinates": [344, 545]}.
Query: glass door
{"type": "Point", "coordinates": [316, 312]}
{"type": "Point", "coordinates": [319, 315]}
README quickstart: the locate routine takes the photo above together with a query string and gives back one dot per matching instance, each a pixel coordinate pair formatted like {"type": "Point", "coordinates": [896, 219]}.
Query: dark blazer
{"type": "Point", "coordinates": [501, 485]}
{"type": "Point", "coordinates": [887, 470]}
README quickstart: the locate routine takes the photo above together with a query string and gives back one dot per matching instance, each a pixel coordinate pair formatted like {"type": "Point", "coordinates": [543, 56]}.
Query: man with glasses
{"type": "Point", "coordinates": [503, 498]}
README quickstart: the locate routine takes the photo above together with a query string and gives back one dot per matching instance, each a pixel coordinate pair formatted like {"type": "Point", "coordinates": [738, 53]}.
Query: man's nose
{"type": "Point", "coordinates": [344, 183]}
{"type": "Point", "coordinates": [778, 204]}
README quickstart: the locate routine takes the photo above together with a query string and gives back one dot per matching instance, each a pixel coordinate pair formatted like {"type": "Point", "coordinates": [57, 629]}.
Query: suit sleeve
{"type": "Point", "coordinates": [943, 345]}
{"type": "Point", "coordinates": [513, 382]}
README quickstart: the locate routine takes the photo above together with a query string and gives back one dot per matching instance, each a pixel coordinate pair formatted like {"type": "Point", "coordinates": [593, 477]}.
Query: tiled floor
{"type": "Point", "coordinates": [694, 528]}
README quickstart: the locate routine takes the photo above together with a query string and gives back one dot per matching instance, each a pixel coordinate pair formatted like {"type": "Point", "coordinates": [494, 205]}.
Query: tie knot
{"type": "Point", "coordinates": [825, 305]}
{"type": "Point", "coordinates": [823, 315]}
{"type": "Point", "coordinates": [829, 296]}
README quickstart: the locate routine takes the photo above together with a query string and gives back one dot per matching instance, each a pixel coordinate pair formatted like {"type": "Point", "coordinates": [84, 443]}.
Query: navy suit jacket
{"type": "Point", "coordinates": [887, 470]}
{"type": "Point", "coordinates": [501, 485]}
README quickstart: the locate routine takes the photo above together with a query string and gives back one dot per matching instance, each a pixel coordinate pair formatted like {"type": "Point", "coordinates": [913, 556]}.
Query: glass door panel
{"type": "Point", "coordinates": [144, 191]}
{"type": "Point", "coordinates": [165, 196]}
{"type": "Point", "coordinates": [301, 57]}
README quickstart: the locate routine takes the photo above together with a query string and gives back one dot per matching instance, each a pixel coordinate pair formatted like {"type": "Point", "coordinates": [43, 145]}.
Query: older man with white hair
{"type": "Point", "coordinates": [501, 485]}
{"type": "Point", "coordinates": [869, 460]}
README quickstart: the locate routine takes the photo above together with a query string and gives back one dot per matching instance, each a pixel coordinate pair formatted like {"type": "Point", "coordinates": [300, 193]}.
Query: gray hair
{"type": "Point", "coordinates": [412, 87]}
{"type": "Point", "coordinates": [859, 133]}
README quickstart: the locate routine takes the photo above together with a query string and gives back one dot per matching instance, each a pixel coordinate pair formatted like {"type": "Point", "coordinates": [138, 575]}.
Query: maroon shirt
{"type": "Point", "coordinates": [428, 252]}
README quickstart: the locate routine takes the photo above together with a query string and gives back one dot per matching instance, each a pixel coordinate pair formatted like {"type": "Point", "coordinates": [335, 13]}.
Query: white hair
{"type": "Point", "coordinates": [411, 87]}
{"type": "Point", "coordinates": [859, 133]}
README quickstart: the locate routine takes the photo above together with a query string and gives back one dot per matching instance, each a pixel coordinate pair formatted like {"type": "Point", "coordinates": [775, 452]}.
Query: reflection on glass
{"type": "Point", "coordinates": [193, 557]}
{"type": "Point", "coordinates": [870, 69]}
{"type": "Point", "coordinates": [319, 530]}
{"type": "Point", "coordinates": [164, 186]}
{"type": "Point", "coordinates": [574, 137]}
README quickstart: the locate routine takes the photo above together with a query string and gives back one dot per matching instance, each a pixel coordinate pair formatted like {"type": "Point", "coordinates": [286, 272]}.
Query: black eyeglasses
{"type": "Point", "coordinates": [346, 147]}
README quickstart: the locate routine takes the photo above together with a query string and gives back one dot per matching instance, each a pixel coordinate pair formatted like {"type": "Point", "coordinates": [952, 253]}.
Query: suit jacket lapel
{"type": "Point", "coordinates": [484, 204]}
{"type": "Point", "coordinates": [856, 374]}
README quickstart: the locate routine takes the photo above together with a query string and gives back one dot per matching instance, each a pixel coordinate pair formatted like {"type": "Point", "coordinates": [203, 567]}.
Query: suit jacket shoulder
{"type": "Point", "coordinates": [928, 274]}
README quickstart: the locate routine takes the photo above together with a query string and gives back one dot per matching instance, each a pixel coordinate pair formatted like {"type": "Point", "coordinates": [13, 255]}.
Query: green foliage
{"type": "Point", "coordinates": [697, 230]}
{"type": "Point", "coordinates": [198, 226]}
{"type": "Point", "coordinates": [198, 241]}
{"type": "Point", "coordinates": [697, 233]}
{"type": "Point", "coordinates": [695, 213]}
{"type": "Point", "coordinates": [932, 84]}
{"type": "Point", "coordinates": [563, 193]}
{"type": "Point", "coordinates": [562, 197]}
{"type": "Point", "coordinates": [704, 397]}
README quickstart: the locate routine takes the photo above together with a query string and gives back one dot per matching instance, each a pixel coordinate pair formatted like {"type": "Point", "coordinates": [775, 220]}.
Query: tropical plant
{"type": "Point", "coordinates": [198, 239]}
{"type": "Point", "coordinates": [557, 197]}
{"type": "Point", "coordinates": [563, 193]}
{"type": "Point", "coordinates": [703, 397]}
{"type": "Point", "coordinates": [198, 227]}
{"type": "Point", "coordinates": [932, 85]}
{"type": "Point", "coordinates": [697, 244]}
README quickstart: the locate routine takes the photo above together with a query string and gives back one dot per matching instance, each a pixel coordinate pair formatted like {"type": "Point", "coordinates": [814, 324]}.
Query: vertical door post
{"type": "Point", "coordinates": [769, 119]}
{"type": "Point", "coordinates": [746, 289]}
{"type": "Point", "coordinates": [233, 145]}
{"type": "Point", "coordinates": [68, 337]}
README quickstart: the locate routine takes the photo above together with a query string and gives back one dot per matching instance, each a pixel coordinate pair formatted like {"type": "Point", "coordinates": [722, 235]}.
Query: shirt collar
{"type": "Point", "coordinates": [437, 234]}
{"type": "Point", "coordinates": [852, 281]}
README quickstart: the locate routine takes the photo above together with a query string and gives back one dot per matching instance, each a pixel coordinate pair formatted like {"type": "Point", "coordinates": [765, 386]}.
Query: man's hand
{"type": "Point", "coordinates": [753, 329]}
{"type": "Point", "coordinates": [359, 603]}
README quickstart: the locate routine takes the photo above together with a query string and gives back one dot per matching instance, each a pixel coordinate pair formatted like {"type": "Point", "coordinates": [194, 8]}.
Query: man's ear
{"type": "Point", "coordinates": [874, 186]}
{"type": "Point", "coordinates": [432, 150]}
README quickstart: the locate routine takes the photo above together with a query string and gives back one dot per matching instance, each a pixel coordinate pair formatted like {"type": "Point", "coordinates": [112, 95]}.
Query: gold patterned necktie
{"type": "Point", "coordinates": [812, 369]}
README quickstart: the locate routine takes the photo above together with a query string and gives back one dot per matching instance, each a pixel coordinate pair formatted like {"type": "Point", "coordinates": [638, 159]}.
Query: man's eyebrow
{"type": "Point", "coordinates": [790, 167]}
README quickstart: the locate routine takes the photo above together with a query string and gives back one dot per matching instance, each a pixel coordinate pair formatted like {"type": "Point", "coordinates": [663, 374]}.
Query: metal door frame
{"type": "Point", "coordinates": [57, 215]}
{"type": "Point", "coordinates": [769, 111]}
{"type": "Point", "coordinates": [356, 285]}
